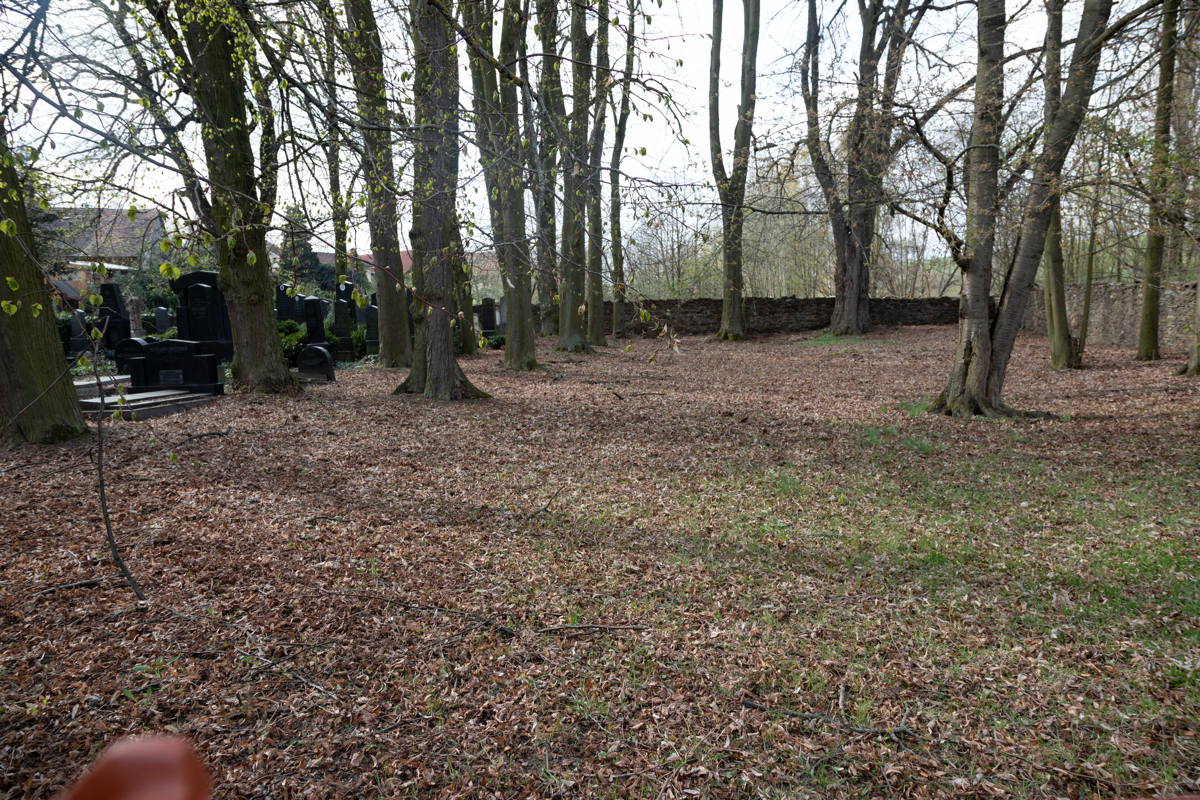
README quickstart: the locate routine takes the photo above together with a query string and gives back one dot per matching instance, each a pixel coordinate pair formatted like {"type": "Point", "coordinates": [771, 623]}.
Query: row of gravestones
{"type": "Point", "coordinates": [347, 315]}
{"type": "Point", "coordinates": [192, 361]}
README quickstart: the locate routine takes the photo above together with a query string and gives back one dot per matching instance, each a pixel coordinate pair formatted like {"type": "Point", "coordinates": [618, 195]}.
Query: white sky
{"type": "Point", "coordinates": [680, 31]}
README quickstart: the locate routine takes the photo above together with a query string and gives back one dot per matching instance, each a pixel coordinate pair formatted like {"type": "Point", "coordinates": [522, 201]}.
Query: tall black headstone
{"type": "Point", "coordinates": [314, 321]}
{"type": "Point", "coordinates": [372, 325]}
{"type": "Point", "coordinates": [343, 325]}
{"type": "Point", "coordinates": [114, 317]}
{"type": "Point", "coordinates": [284, 303]}
{"type": "Point", "coordinates": [202, 315]}
{"type": "Point", "coordinates": [487, 316]}
{"type": "Point", "coordinates": [80, 341]}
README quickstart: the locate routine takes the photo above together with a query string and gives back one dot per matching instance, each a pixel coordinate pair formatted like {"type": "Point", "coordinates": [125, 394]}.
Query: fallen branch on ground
{"type": "Point", "coordinates": [77, 585]}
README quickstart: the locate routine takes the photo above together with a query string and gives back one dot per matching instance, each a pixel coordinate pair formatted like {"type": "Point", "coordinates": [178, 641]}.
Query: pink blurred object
{"type": "Point", "coordinates": [151, 768]}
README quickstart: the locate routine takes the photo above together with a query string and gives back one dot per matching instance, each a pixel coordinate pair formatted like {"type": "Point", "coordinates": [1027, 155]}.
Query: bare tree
{"type": "Point", "coordinates": [731, 185]}
{"type": "Point", "coordinates": [1161, 182]}
{"type": "Point", "coordinates": [436, 242]}
{"type": "Point", "coordinates": [888, 31]}
{"type": "Point", "coordinates": [365, 51]}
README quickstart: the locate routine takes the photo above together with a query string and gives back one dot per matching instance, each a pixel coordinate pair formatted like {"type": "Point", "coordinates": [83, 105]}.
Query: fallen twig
{"type": "Point", "coordinates": [546, 507]}
{"type": "Point", "coordinates": [75, 585]}
{"type": "Point", "coordinates": [589, 627]}
{"type": "Point", "coordinates": [225, 432]}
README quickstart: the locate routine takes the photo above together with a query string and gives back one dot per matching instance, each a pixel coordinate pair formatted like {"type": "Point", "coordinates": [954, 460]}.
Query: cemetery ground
{"type": "Point", "coordinates": [743, 570]}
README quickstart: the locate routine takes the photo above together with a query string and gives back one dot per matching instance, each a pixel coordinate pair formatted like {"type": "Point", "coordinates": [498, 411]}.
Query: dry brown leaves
{"type": "Point", "coordinates": [723, 573]}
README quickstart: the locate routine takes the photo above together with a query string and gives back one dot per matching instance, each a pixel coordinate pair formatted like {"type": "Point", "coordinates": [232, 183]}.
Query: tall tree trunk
{"type": "Point", "coordinates": [498, 113]}
{"type": "Point", "coordinates": [1160, 181]}
{"type": "Point", "coordinates": [967, 393]}
{"type": "Point", "coordinates": [1047, 175]}
{"type": "Point", "coordinates": [436, 243]}
{"type": "Point", "coordinates": [595, 257]}
{"type": "Point", "coordinates": [731, 185]}
{"type": "Point", "coordinates": [1192, 367]}
{"type": "Point", "coordinates": [571, 334]}
{"type": "Point", "coordinates": [379, 173]}
{"type": "Point", "coordinates": [218, 56]}
{"type": "Point", "coordinates": [1089, 276]}
{"type": "Point", "coordinates": [37, 398]}
{"type": "Point", "coordinates": [1063, 349]}
{"type": "Point", "coordinates": [552, 117]}
{"type": "Point", "coordinates": [888, 30]}
{"type": "Point", "coordinates": [333, 156]}
{"type": "Point", "coordinates": [614, 200]}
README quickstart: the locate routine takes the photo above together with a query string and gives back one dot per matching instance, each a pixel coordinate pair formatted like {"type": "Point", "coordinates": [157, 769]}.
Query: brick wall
{"type": "Point", "coordinates": [1116, 311]}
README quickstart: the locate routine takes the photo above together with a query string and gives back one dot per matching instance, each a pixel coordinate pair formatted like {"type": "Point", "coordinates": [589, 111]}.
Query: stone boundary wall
{"type": "Point", "coordinates": [765, 315]}
{"type": "Point", "coordinates": [1116, 311]}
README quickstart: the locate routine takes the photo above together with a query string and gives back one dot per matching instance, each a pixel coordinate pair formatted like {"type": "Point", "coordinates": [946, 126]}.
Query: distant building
{"type": "Point", "coordinates": [74, 240]}
{"type": "Point", "coordinates": [103, 235]}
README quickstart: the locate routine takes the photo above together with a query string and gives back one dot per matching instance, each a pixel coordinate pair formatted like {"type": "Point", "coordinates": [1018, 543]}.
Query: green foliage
{"type": "Point", "coordinates": [291, 338]}
{"type": "Point", "coordinates": [358, 336]}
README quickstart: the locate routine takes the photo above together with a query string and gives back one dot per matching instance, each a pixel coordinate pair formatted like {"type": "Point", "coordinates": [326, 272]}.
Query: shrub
{"type": "Point", "coordinates": [291, 338]}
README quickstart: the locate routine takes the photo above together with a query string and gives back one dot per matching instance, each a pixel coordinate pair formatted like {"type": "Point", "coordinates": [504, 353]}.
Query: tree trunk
{"type": "Point", "coordinates": [436, 243]}
{"type": "Point", "coordinates": [333, 157]}
{"type": "Point", "coordinates": [1058, 326]}
{"type": "Point", "coordinates": [1047, 177]}
{"type": "Point", "coordinates": [552, 116]}
{"type": "Point", "coordinates": [571, 334]}
{"type": "Point", "coordinates": [968, 392]}
{"type": "Point", "coordinates": [614, 200]}
{"type": "Point", "coordinates": [1064, 349]}
{"type": "Point", "coordinates": [1036, 220]}
{"type": "Point", "coordinates": [379, 173]}
{"type": "Point", "coordinates": [498, 113]}
{"type": "Point", "coordinates": [37, 398]}
{"type": "Point", "coordinates": [1193, 361]}
{"type": "Point", "coordinates": [731, 185]}
{"type": "Point", "coordinates": [218, 90]}
{"type": "Point", "coordinates": [1088, 279]}
{"type": "Point", "coordinates": [595, 257]}
{"type": "Point", "coordinates": [1160, 181]}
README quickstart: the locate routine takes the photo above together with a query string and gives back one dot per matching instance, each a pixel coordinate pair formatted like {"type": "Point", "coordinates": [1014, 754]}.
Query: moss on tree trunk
{"type": "Point", "coordinates": [37, 398]}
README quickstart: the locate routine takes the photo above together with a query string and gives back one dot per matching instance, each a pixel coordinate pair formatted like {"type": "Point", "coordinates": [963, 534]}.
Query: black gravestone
{"type": "Point", "coordinates": [371, 323]}
{"type": "Point", "coordinates": [315, 361]}
{"type": "Point", "coordinates": [345, 291]}
{"type": "Point", "coordinates": [130, 348]}
{"type": "Point", "coordinates": [284, 303]}
{"type": "Point", "coordinates": [162, 320]}
{"type": "Point", "coordinates": [80, 341]}
{"type": "Point", "coordinates": [343, 325]}
{"type": "Point", "coordinates": [200, 316]}
{"type": "Point", "coordinates": [487, 316]}
{"type": "Point", "coordinates": [114, 317]}
{"type": "Point", "coordinates": [314, 321]}
{"type": "Point", "coordinates": [203, 316]}
{"type": "Point", "coordinates": [174, 364]}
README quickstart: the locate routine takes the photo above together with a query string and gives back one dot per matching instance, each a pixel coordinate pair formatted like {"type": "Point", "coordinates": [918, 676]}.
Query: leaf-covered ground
{"type": "Point", "coordinates": [746, 570]}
